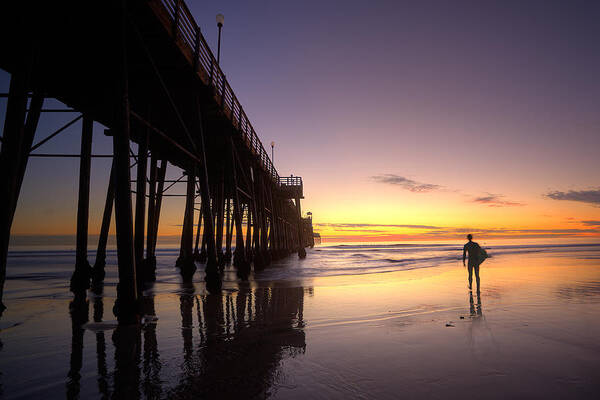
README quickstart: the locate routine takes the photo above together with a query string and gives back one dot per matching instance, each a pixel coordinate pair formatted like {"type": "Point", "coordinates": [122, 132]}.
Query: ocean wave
{"type": "Point", "coordinates": [325, 260]}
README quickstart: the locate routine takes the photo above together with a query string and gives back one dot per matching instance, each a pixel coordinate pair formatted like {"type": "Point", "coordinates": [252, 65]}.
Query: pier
{"type": "Point", "coordinates": [143, 69]}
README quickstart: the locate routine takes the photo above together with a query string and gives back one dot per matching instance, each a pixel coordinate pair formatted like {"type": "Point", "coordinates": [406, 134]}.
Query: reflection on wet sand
{"type": "Point", "coordinates": [102, 370]}
{"type": "Point", "coordinates": [151, 367]}
{"type": "Point", "coordinates": [235, 348]}
{"type": "Point", "coordinates": [243, 337]}
{"type": "Point", "coordinates": [475, 309]}
{"type": "Point", "coordinates": [476, 316]}
{"type": "Point", "coordinates": [579, 290]}
{"type": "Point", "coordinates": [79, 310]}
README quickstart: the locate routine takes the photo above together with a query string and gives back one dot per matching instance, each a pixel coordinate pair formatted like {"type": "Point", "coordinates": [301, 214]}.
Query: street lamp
{"type": "Point", "coordinates": [272, 156]}
{"type": "Point", "coordinates": [220, 20]}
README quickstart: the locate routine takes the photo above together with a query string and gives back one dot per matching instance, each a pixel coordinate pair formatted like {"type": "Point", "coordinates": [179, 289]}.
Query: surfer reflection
{"type": "Point", "coordinates": [476, 256]}
{"type": "Point", "coordinates": [474, 330]}
{"type": "Point", "coordinates": [475, 309]}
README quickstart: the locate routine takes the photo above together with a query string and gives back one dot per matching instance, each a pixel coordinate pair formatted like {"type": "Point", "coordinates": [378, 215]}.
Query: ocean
{"type": "Point", "coordinates": [33, 263]}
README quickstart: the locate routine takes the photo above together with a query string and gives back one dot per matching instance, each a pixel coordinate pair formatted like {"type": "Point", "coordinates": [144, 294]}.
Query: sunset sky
{"type": "Point", "coordinates": [407, 120]}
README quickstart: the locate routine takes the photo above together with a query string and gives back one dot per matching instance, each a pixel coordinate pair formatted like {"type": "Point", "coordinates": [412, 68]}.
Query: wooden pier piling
{"type": "Point", "coordinates": [185, 262]}
{"type": "Point", "coordinates": [140, 206]}
{"type": "Point", "coordinates": [80, 280]}
{"type": "Point", "coordinates": [126, 308]}
{"type": "Point", "coordinates": [98, 272]}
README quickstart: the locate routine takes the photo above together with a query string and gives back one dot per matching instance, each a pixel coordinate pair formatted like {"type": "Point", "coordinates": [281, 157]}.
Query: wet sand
{"type": "Point", "coordinates": [531, 333]}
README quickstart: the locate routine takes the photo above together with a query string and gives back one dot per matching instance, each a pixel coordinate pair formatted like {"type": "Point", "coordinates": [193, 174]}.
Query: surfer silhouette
{"type": "Point", "coordinates": [476, 256]}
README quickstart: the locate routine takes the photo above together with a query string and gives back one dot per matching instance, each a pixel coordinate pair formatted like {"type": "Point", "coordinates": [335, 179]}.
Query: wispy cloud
{"type": "Point", "coordinates": [496, 200]}
{"type": "Point", "coordinates": [349, 226]}
{"type": "Point", "coordinates": [591, 196]}
{"type": "Point", "coordinates": [361, 230]}
{"type": "Point", "coordinates": [405, 183]}
{"type": "Point", "coordinates": [382, 232]}
{"type": "Point", "coordinates": [591, 223]}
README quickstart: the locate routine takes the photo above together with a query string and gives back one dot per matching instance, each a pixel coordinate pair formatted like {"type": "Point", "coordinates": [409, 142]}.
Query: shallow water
{"type": "Point", "coordinates": [331, 326]}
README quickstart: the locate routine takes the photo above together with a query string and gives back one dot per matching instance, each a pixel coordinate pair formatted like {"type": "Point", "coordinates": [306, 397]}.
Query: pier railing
{"type": "Point", "coordinates": [291, 185]}
{"type": "Point", "coordinates": [187, 35]}
{"type": "Point", "coordinates": [290, 180]}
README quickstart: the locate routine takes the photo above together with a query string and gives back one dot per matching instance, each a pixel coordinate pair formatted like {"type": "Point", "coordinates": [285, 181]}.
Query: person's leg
{"type": "Point", "coordinates": [470, 268]}
{"type": "Point", "coordinates": [476, 267]}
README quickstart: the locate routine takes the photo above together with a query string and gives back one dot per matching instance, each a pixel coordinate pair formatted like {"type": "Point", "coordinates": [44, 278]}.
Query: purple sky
{"type": "Point", "coordinates": [477, 98]}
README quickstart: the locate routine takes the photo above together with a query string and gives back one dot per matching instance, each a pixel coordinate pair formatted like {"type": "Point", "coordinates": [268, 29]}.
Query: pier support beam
{"type": "Point", "coordinates": [98, 270]}
{"type": "Point", "coordinates": [228, 227]}
{"type": "Point", "coordinates": [219, 202]}
{"type": "Point", "coordinates": [125, 307]}
{"type": "Point", "coordinates": [203, 255]}
{"type": "Point", "coordinates": [80, 280]}
{"type": "Point", "coordinates": [249, 254]}
{"type": "Point", "coordinates": [197, 243]}
{"type": "Point", "coordinates": [212, 273]}
{"type": "Point", "coordinates": [240, 258]}
{"type": "Point", "coordinates": [140, 207]}
{"type": "Point", "coordinates": [150, 264]}
{"type": "Point", "coordinates": [254, 208]}
{"type": "Point", "coordinates": [185, 262]}
{"type": "Point", "coordinates": [17, 139]}
{"type": "Point", "coordinates": [301, 249]}
{"type": "Point", "coordinates": [264, 249]}
{"type": "Point", "coordinates": [148, 268]}
{"type": "Point", "coordinates": [213, 279]}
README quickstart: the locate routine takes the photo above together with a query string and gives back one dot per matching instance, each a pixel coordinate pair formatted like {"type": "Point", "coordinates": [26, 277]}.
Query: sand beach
{"type": "Point", "coordinates": [416, 332]}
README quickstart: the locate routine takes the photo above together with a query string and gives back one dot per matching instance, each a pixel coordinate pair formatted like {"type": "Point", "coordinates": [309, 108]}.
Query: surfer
{"type": "Point", "coordinates": [474, 251]}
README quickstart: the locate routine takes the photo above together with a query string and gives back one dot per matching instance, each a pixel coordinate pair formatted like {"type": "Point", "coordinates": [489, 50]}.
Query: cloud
{"type": "Point", "coordinates": [360, 230]}
{"type": "Point", "coordinates": [431, 230]}
{"type": "Point", "coordinates": [405, 183]}
{"type": "Point", "coordinates": [346, 226]}
{"type": "Point", "coordinates": [583, 196]}
{"type": "Point", "coordinates": [496, 200]}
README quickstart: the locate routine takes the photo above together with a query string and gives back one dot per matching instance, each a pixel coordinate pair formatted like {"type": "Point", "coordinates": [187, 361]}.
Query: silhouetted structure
{"type": "Point", "coordinates": [143, 69]}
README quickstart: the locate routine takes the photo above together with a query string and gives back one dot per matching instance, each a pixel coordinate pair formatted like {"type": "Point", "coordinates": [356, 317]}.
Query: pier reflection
{"type": "Point", "coordinates": [232, 344]}
{"type": "Point", "coordinates": [79, 311]}
{"type": "Point", "coordinates": [101, 367]}
{"type": "Point", "coordinates": [151, 367]}
{"type": "Point", "coordinates": [242, 338]}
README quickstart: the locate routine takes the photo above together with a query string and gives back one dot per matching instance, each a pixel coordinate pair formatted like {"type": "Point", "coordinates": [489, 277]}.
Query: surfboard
{"type": "Point", "coordinates": [482, 255]}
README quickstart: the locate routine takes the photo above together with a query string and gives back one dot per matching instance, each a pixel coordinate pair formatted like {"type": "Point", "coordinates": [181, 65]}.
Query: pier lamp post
{"type": "Point", "coordinates": [272, 156]}
{"type": "Point", "coordinates": [220, 20]}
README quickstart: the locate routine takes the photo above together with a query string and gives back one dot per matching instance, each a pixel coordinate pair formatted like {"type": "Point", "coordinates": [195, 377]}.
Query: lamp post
{"type": "Point", "coordinates": [272, 156]}
{"type": "Point", "coordinates": [220, 20]}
